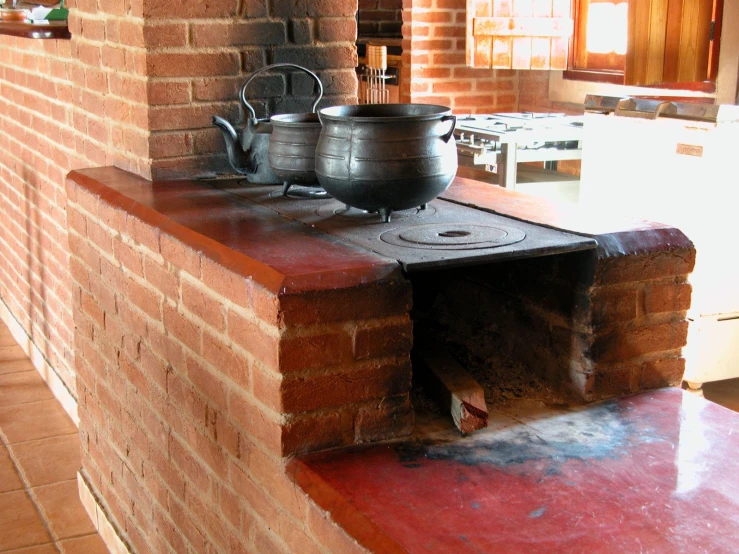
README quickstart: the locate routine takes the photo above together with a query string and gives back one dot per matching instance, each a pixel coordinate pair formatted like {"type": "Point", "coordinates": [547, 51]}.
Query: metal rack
{"type": "Point", "coordinates": [374, 77]}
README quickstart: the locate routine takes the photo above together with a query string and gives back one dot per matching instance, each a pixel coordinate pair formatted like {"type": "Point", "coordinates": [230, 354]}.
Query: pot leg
{"type": "Point", "coordinates": [385, 214]}
{"type": "Point", "coordinates": [285, 188]}
{"type": "Point", "coordinates": [422, 207]}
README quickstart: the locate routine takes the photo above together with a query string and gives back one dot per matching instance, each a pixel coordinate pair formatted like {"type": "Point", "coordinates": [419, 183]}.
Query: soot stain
{"type": "Point", "coordinates": [594, 433]}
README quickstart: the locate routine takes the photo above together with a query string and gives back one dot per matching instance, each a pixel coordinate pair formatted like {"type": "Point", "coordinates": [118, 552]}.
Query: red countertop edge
{"type": "Point", "coordinates": [352, 521]}
{"type": "Point", "coordinates": [21, 29]}
{"type": "Point", "coordinates": [616, 235]}
{"type": "Point", "coordinates": [102, 182]}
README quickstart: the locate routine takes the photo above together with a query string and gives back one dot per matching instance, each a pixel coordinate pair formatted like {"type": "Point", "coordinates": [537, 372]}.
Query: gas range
{"type": "Point", "coordinates": [444, 234]}
{"type": "Point", "coordinates": [485, 132]}
{"type": "Point", "coordinates": [510, 138]}
{"type": "Point", "coordinates": [506, 123]}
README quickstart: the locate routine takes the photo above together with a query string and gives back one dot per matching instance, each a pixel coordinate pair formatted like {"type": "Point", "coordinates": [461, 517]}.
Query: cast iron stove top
{"type": "Point", "coordinates": [444, 234]}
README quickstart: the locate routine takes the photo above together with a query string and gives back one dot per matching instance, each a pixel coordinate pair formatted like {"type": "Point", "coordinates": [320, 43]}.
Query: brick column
{"type": "Point", "coordinates": [198, 56]}
{"type": "Point", "coordinates": [380, 18]}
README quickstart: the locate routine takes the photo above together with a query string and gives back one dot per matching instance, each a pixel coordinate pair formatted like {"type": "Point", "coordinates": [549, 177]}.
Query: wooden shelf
{"type": "Point", "coordinates": [51, 30]}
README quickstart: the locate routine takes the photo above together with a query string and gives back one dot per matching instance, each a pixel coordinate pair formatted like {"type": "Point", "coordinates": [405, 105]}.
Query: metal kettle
{"type": "Point", "coordinates": [248, 148]}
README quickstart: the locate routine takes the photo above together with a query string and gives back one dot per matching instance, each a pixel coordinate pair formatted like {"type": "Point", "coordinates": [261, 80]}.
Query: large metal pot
{"type": "Point", "coordinates": [386, 157]}
{"type": "Point", "coordinates": [292, 148]}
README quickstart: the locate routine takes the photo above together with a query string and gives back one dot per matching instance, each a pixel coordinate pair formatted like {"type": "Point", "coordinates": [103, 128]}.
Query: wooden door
{"type": "Point", "coordinates": [670, 41]}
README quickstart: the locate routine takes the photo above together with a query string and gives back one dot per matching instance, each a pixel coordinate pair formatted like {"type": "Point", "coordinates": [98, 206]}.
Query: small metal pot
{"type": "Point", "coordinates": [292, 148]}
{"type": "Point", "coordinates": [386, 157]}
{"type": "Point", "coordinates": [248, 148]}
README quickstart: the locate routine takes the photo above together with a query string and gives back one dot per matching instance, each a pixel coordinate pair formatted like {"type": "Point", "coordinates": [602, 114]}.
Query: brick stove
{"type": "Point", "coordinates": [217, 337]}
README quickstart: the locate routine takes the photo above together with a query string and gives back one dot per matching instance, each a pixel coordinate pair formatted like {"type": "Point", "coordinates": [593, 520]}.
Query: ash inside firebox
{"type": "Point", "coordinates": [505, 379]}
{"type": "Point", "coordinates": [479, 333]}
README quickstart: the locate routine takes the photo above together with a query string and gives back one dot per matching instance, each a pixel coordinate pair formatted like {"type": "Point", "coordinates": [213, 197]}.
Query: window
{"type": "Point", "coordinates": [665, 43]}
{"type": "Point", "coordinates": [658, 43]}
{"type": "Point", "coordinates": [600, 37]}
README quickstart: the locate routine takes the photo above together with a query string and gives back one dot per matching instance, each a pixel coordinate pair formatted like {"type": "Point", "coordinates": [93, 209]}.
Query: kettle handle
{"type": "Point", "coordinates": [242, 94]}
{"type": "Point", "coordinates": [449, 133]}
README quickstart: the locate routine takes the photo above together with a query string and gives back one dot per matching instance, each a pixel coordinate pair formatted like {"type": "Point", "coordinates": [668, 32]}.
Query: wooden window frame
{"type": "Point", "coordinates": [576, 72]}
{"type": "Point", "coordinates": [578, 58]}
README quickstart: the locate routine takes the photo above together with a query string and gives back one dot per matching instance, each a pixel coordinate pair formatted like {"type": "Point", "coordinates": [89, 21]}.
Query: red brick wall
{"type": "Point", "coordinates": [135, 88]}
{"type": "Point", "coordinates": [63, 104]}
{"type": "Point", "coordinates": [533, 94]}
{"type": "Point", "coordinates": [198, 58]}
{"type": "Point", "coordinates": [380, 18]}
{"type": "Point", "coordinates": [195, 382]}
{"type": "Point", "coordinates": [434, 62]}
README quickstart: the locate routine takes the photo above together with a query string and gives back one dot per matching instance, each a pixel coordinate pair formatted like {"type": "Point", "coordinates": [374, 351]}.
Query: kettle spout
{"type": "Point", "coordinates": [236, 155]}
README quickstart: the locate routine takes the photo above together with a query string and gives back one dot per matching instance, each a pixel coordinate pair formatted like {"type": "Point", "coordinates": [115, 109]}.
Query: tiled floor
{"type": "Point", "coordinates": [40, 510]}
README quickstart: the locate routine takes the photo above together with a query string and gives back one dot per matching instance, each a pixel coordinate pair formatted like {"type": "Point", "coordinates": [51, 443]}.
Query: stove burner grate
{"type": "Point", "coordinates": [453, 236]}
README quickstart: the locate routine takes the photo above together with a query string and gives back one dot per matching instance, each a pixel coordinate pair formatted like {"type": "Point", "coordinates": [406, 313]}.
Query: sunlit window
{"type": "Point", "coordinates": [665, 43]}
{"type": "Point", "coordinates": [606, 28]}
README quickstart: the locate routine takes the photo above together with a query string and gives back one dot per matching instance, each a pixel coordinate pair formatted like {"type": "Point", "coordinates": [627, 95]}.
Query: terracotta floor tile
{"type": "Point", "coordinates": [63, 510]}
{"type": "Point", "coordinates": [50, 460]}
{"type": "Point", "coordinates": [11, 352]}
{"type": "Point", "coordinates": [42, 549]}
{"type": "Point", "coordinates": [9, 480]}
{"type": "Point", "coordinates": [21, 524]}
{"type": "Point", "coordinates": [37, 420]}
{"type": "Point", "coordinates": [16, 366]}
{"type": "Point", "coordinates": [21, 388]}
{"type": "Point", "coordinates": [6, 339]}
{"type": "Point", "coordinates": [90, 544]}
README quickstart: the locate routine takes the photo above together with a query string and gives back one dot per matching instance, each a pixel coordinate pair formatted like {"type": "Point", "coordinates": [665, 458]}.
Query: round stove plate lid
{"type": "Point", "coordinates": [453, 236]}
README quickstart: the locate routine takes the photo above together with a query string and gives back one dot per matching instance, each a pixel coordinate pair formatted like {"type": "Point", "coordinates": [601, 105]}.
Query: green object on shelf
{"type": "Point", "coordinates": [58, 14]}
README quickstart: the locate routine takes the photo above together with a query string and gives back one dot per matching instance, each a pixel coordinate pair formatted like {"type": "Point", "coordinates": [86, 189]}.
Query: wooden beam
{"type": "Point", "coordinates": [451, 387]}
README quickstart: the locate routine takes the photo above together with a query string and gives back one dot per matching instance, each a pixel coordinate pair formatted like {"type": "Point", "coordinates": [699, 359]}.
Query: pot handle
{"type": "Point", "coordinates": [449, 134]}
{"type": "Point", "coordinates": [242, 93]}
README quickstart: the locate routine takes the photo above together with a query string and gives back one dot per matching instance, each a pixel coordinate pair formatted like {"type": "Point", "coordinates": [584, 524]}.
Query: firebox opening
{"type": "Point", "coordinates": [513, 326]}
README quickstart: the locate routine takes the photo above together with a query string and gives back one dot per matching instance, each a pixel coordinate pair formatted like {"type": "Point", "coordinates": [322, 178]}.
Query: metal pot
{"type": "Point", "coordinates": [248, 148]}
{"type": "Point", "coordinates": [386, 157]}
{"type": "Point", "coordinates": [292, 148]}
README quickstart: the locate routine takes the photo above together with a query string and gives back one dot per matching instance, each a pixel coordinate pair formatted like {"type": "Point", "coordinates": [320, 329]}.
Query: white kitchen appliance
{"type": "Point", "coordinates": [676, 163]}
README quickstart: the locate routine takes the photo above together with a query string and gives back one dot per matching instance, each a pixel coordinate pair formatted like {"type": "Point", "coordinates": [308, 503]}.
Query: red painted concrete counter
{"type": "Point", "coordinates": [655, 472]}
{"type": "Point", "coordinates": [281, 255]}
{"type": "Point", "coordinates": [617, 235]}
